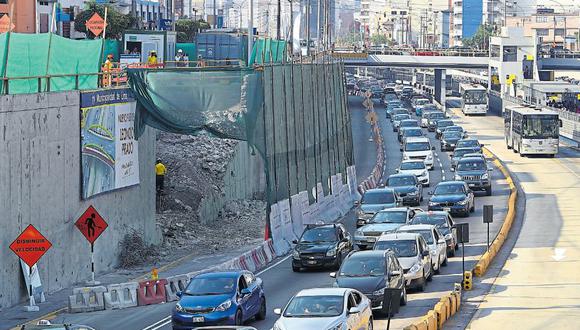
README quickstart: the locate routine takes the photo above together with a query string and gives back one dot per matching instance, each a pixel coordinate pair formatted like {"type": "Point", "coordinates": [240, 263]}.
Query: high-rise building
{"type": "Point", "coordinates": [493, 12]}
{"type": "Point", "coordinates": [467, 17]}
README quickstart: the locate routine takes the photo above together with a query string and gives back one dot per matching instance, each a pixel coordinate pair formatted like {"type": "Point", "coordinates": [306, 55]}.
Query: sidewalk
{"type": "Point", "coordinates": [57, 302]}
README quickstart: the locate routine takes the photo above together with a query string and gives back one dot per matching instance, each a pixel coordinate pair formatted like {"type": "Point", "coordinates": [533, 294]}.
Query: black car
{"type": "Point", "coordinates": [371, 272]}
{"type": "Point", "coordinates": [450, 139]}
{"type": "Point", "coordinates": [407, 187]}
{"type": "Point", "coordinates": [321, 246]}
{"type": "Point", "coordinates": [475, 173]}
{"type": "Point", "coordinates": [469, 143]}
{"type": "Point", "coordinates": [434, 118]}
{"type": "Point", "coordinates": [444, 222]}
{"type": "Point", "coordinates": [441, 125]}
{"type": "Point", "coordinates": [454, 197]}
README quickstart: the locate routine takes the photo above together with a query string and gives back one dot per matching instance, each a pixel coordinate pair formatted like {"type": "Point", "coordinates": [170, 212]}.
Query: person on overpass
{"type": "Point", "coordinates": [160, 171]}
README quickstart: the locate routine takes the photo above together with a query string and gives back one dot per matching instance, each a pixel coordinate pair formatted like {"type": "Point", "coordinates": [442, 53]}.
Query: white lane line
{"type": "Point", "coordinates": [167, 320]}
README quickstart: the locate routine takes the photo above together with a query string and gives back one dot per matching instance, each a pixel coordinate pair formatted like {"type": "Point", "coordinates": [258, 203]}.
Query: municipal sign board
{"type": "Point", "coordinates": [5, 24]}
{"type": "Point", "coordinates": [91, 224]}
{"type": "Point", "coordinates": [96, 24]}
{"type": "Point", "coordinates": [30, 245]}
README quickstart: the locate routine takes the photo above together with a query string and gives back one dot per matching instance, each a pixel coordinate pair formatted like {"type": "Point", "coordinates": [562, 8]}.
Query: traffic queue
{"type": "Point", "coordinates": [396, 249]}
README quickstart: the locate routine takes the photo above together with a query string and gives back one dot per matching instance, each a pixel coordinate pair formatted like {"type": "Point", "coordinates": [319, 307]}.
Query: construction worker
{"type": "Point", "coordinates": [152, 59]}
{"type": "Point", "coordinates": [107, 69]}
{"type": "Point", "coordinates": [200, 61]}
{"type": "Point", "coordinates": [160, 172]}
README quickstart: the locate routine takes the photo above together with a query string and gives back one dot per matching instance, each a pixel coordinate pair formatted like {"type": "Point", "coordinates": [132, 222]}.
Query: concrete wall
{"type": "Point", "coordinates": [40, 185]}
{"type": "Point", "coordinates": [244, 178]}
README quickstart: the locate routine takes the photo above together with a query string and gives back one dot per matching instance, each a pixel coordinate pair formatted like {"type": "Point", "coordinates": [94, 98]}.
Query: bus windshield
{"type": "Point", "coordinates": [541, 126]}
{"type": "Point", "coordinates": [475, 97]}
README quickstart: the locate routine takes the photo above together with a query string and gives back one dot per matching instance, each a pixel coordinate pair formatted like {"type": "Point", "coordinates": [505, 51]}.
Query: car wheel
{"type": "Point", "coordinates": [423, 283]}
{"type": "Point", "coordinates": [430, 277]}
{"type": "Point", "coordinates": [444, 263]}
{"type": "Point", "coordinates": [404, 296]}
{"type": "Point", "coordinates": [488, 191]}
{"type": "Point", "coordinates": [295, 269]}
{"type": "Point", "coordinates": [438, 270]}
{"type": "Point", "coordinates": [262, 313]}
{"type": "Point", "coordinates": [370, 325]}
{"type": "Point", "coordinates": [472, 209]}
{"type": "Point", "coordinates": [239, 319]}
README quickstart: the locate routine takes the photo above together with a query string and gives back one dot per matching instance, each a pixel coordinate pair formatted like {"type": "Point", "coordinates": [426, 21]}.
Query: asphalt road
{"type": "Point", "coordinates": [539, 285]}
{"type": "Point", "coordinates": [281, 283]}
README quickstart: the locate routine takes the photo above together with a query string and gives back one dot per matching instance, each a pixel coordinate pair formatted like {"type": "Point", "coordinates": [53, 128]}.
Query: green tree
{"type": "Point", "coordinates": [380, 39]}
{"type": "Point", "coordinates": [117, 23]}
{"type": "Point", "coordinates": [187, 28]}
{"type": "Point", "coordinates": [480, 39]}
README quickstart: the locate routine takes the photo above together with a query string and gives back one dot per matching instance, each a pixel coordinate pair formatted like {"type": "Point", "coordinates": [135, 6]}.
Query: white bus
{"type": "Point", "coordinates": [531, 131]}
{"type": "Point", "coordinates": [473, 99]}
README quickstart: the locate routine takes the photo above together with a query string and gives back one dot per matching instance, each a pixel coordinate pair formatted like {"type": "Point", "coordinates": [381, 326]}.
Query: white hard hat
{"type": "Point", "coordinates": [180, 51]}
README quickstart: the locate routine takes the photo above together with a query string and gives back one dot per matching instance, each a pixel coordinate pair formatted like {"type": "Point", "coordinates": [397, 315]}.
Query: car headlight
{"type": "Point", "coordinates": [358, 233]}
{"type": "Point", "coordinates": [457, 177]}
{"type": "Point", "coordinates": [424, 173]}
{"type": "Point", "coordinates": [430, 156]}
{"type": "Point", "coordinates": [277, 327]}
{"type": "Point", "coordinates": [341, 326]}
{"type": "Point", "coordinates": [331, 252]}
{"type": "Point", "coordinates": [485, 176]}
{"type": "Point", "coordinates": [224, 306]}
{"type": "Point", "coordinates": [359, 213]}
{"type": "Point", "coordinates": [463, 202]}
{"type": "Point", "coordinates": [433, 203]}
{"type": "Point", "coordinates": [295, 254]}
{"type": "Point", "coordinates": [416, 267]}
{"type": "Point", "coordinates": [433, 252]}
{"type": "Point", "coordinates": [379, 292]}
{"type": "Point", "coordinates": [179, 308]}
{"type": "Point", "coordinates": [405, 156]}
{"type": "Point", "coordinates": [449, 236]}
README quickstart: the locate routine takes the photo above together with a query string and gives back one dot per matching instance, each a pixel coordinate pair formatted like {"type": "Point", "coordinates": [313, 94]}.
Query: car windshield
{"type": "Point", "coordinates": [427, 235]}
{"type": "Point", "coordinates": [438, 220]}
{"type": "Point", "coordinates": [401, 248]}
{"type": "Point", "coordinates": [475, 97]}
{"type": "Point", "coordinates": [437, 115]}
{"type": "Point", "coordinates": [452, 135]}
{"type": "Point", "coordinates": [390, 217]}
{"type": "Point", "coordinates": [210, 286]}
{"type": "Point", "coordinates": [408, 123]}
{"type": "Point", "coordinates": [449, 189]}
{"type": "Point", "coordinates": [421, 101]}
{"type": "Point", "coordinates": [413, 166]}
{"type": "Point", "coordinates": [444, 123]}
{"type": "Point", "coordinates": [458, 153]}
{"type": "Point", "coordinates": [315, 306]}
{"type": "Point", "coordinates": [412, 132]}
{"type": "Point", "coordinates": [378, 197]}
{"type": "Point", "coordinates": [400, 117]}
{"type": "Point", "coordinates": [454, 129]}
{"type": "Point", "coordinates": [468, 143]}
{"type": "Point", "coordinates": [471, 165]}
{"type": "Point", "coordinates": [398, 181]}
{"type": "Point", "coordinates": [363, 266]}
{"type": "Point", "coordinates": [417, 146]}
{"type": "Point", "coordinates": [430, 107]}
{"type": "Point", "coordinates": [319, 235]}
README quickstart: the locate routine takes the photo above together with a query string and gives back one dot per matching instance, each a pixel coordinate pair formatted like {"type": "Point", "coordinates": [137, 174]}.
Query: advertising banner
{"type": "Point", "coordinates": [109, 151]}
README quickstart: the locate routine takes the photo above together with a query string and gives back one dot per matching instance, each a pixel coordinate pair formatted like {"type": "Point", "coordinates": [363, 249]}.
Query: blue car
{"type": "Point", "coordinates": [220, 298]}
{"type": "Point", "coordinates": [454, 197]}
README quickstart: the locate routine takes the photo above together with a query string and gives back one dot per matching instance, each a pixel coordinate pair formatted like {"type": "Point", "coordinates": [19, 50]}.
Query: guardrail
{"type": "Point", "coordinates": [417, 52]}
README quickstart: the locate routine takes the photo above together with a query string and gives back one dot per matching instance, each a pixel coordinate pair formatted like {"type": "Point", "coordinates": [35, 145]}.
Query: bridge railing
{"type": "Point", "coordinates": [418, 52]}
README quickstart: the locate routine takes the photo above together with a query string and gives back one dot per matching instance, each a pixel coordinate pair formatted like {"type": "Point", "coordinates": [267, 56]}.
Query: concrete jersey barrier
{"type": "Point", "coordinates": [87, 299]}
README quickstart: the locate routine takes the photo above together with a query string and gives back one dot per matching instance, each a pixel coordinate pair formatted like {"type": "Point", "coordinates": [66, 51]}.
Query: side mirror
{"type": "Point", "coordinates": [454, 227]}
{"type": "Point", "coordinates": [441, 241]}
{"type": "Point", "coordinates": [560, 122]}
{"type": "Point", "coordinates": [354, 310]}
{"type": "Point", "coordinates": [395, 273]}
{"type": "Point", "coordinates": [294, 241]}
{"type": "Point", "coordinates": [430, 193]}
{"type": "Point", "coordinates": [490, 169]}
{"type": "Point", "coordinates": [333, 275]}
{"type": "Point", "coordinates": [179, 294]}
{"type": "Point", "coordinates": [481, 145]}
{"type": "Point", "coordinates": [356, 203]}
{"type": "Point", "coordinates": [433, 148]}
{"type": "Point", "coordinates": [425, 253]}
{"type": "Point", "coordinates": [397, 170]}
{"type": "Point", "coordinates": [278, 311]}
{"type": "Point", "coordinates": [452, 169]}
{"type": "Point", "coordinates": [245, 292]}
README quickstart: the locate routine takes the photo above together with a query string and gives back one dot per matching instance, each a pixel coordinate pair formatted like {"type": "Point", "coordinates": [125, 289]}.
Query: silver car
{"type": "Point", "coordinates": [326, 309]}
{"type": "Point", "coordinates": [435, 241]}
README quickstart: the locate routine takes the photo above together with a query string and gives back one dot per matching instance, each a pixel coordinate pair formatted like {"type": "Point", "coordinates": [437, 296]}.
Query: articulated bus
{"type": "Point", "coordinates": [473, 99]}
{"type": "Point", "coordinates": [531, 131]}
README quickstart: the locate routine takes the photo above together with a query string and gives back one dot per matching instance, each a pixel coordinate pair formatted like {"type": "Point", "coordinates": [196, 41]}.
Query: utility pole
{"type": "Point", "coordinates": [278, 19]}
{"type": "Point", "coordinates": [250, 29]}
{"type": "Point", "coordinates": [308, 27]}
{"type": "Point", "coordinates": [291, 27]}
{"type": "Point", "coordinates": [319, 11]}
{"type": "Point", "coordinates": [214, 14]}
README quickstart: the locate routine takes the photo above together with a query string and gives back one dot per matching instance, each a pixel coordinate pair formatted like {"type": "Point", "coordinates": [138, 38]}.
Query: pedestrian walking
{"type": "Point", "coordinates": [160, 171]}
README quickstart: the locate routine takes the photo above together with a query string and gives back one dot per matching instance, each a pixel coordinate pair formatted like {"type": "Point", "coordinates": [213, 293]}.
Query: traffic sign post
{"type": "Point", "coordinates": [91, 225]}
{"type": "Point", "coordinates": [30, 246]}
{"type": "Point", "coordinates": [487, 219]}
{"type": "Point", "coordinates": [462, 237]}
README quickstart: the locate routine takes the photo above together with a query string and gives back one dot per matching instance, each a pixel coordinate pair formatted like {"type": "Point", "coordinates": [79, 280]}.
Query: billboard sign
{"type": "Point", "coordinates": [109, 150]}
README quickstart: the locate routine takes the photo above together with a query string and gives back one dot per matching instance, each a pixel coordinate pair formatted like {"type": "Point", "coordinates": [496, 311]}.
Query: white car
{"type": "Point", "coordinates": [416, 167]}
{"type": "Point", "coordinates": [434, 239]}
{"type": "Point", "coordinates": [419, 148]}
{"type": "Point", "coordinates": [326, 309]}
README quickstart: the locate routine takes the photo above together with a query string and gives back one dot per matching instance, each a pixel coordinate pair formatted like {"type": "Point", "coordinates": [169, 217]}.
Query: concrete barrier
{"type": "Point", "coordinates": [175, 284]}
{"type": "Point", "coordinates": [151, 292]}
{"type": "Point", "coordinates": [119, 296]}
{"type": "Point", "coordinates": [87, 299]}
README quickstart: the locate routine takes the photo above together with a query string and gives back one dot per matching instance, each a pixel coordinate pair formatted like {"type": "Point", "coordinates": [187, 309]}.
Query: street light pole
{"type": "Point", "coordinates": [250, 28]}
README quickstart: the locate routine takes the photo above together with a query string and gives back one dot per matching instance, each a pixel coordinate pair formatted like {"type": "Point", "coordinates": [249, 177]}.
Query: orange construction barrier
{"type": "Point", "coordinates": [151, 292]}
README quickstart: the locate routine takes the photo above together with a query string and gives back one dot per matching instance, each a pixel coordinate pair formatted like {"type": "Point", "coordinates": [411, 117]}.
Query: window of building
{"type": "Point", "coordinates": [560, 32]}
{"type": "Point", "coordinates": [495, 49]}
{"type": "Point", "coordinates": [510, 53]}
{"type": "Point", "coordinates": [542, 32]}
{"type": "Point", "coordinates": [541, 19]}
{"type": "Point", "coordinates": [3, 2]}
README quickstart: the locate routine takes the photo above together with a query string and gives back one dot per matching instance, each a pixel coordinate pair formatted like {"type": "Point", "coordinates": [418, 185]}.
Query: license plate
{"type": "Point", "coordinates": [199, 319]}
{"type": "Point", "coordinates": [471, 184]}
{"type": "Point", "coordinates": [372, 240]}
{"type": "Point", "coordinates": [447, 209]}
{"type": "Point", "coordinates": [311, 262]}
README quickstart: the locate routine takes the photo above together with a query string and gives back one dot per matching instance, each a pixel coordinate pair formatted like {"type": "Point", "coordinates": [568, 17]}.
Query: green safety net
{"type": "Point", "coordinates": [268, 51]}
{"type": "Point", "coordinates": [112, 47]}
{"type": "Point", "coordinates": [42, 55]}
{"type": "Point", "coordinates": [3, 52]}
{"type": "Point", "coordinates": [188, 48]}
{"type": "Point", "coordinates": [294, 116]}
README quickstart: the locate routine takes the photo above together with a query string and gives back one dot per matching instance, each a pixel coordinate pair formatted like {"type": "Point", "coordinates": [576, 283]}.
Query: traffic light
{"type": "Point", "coordinates": [467, 280]}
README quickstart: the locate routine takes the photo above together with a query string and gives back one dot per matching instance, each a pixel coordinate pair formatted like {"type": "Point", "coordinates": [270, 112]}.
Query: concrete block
{"type": "Point", "coordinates": [87, 299]}
{"type": "Point", "coordinates": [175, 284]}
{"type": "Point", "coordinates": [119, 296]}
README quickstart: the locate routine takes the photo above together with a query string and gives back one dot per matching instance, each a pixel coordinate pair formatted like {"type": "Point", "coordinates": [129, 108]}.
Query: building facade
{"type": "Point", "coordinates": [551, 28]}
{"type": "Point", "coordinates": [467, 17]}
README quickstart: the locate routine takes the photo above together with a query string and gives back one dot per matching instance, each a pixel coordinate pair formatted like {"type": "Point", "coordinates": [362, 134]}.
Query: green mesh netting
{"type": "Point", "coordinates": [294, 116]}
{"type": "Point", "coordinates": [112, 47]}
{"type": "Point", "coordinates": [268, 51]}
{"type": "Point", "coordinates": [40, 55]}
{"type": "Point", "coordinates": [188, 48]}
